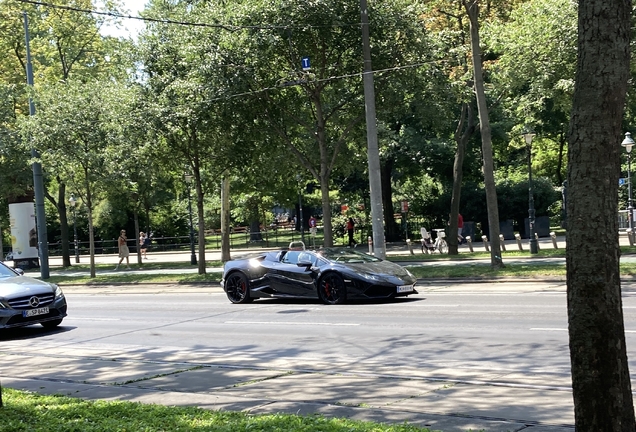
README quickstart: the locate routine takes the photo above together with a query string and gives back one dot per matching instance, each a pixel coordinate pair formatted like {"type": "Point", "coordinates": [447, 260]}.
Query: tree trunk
{"type": "Point", "coordinates": [465, 129]}
{"type": "Point", "coordinates": [200, 226]}
{"type": "Point", "coordinates": [390, 227]}
{"type": "Point", "coordinates": [472, 9]}
{"type": "Point", "coordinates": [600, 375]}
{"type": "Point", "coordinates": [225, 218]}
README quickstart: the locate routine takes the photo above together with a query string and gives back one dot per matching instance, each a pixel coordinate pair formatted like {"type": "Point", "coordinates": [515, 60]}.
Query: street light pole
{"type": "Point", "coordinates": [193, 257]}
{"type": "Point", "coordinates": [628, 143]}
{"type": "Point", "coordinates": [72, 201]}
{"type": "Point", "coordinates": [300, 209]}
{"type": "Point", "coordinates": [529, 136]}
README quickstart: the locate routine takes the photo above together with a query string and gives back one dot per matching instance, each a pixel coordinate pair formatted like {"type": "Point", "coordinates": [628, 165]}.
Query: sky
{"type": "Point", "coordinates": [128, 27]}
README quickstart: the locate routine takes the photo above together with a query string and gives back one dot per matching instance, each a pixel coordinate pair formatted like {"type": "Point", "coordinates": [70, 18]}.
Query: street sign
{"type": "Point", "coordinates": [621, 181]}
{"type": "Point", "coordinates": [305, 63]}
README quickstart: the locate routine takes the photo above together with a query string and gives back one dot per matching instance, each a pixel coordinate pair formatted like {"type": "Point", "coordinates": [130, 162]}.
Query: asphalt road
{"type": "Point", "coordinates": [498, 327]}
{"type": "Point", "coordinates": [498, 352]}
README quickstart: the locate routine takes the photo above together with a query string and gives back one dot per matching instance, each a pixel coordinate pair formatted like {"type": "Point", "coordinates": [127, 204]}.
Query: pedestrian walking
{"type": "Point", "coordinates": [122, 243]}
{"type": "Point", "coordinates": [144, 242]}
{"type": "Point", "coordinates": [350, 228]}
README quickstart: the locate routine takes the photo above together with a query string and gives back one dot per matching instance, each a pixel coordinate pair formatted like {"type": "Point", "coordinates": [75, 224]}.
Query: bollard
{"type": "Point", "coordinates": [370, 241]}
{"type": "Point", "coordinates": [410, 245]}
{"type": "Point", "coordinates": [536, 235]}
{"type": "Point", "coordinates": [554, 242]}
{"type": "Point", "coordinates": [486, 245]}
{"type": "Point", "coordinates": [518, 238]}
{"type": "Point", "coordinates": [469, 240]}
{"type": "Point", "coordinates": [630, 237]}
{"type": "Point", "coordinates": [503, 244]}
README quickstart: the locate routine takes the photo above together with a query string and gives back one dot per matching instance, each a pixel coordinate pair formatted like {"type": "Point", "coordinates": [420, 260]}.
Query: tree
{"type": "Point", "coordinates": [318, 114]}
{"type": "Point", "coordinates": [77, 128]}
{"type": "Point", "coordinates": [600, 374]}
{"type": "Point", "coordinates": [472, 9]}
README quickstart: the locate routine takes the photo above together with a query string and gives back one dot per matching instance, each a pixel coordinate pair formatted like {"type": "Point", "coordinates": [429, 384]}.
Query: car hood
{"type": "Point", "coordinates": [381, 268]}
{"type": "Point", "coordinates": [23, 286]}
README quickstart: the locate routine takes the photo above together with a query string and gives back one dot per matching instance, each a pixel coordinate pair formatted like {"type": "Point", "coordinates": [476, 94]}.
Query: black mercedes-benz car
{"type": "Point", "coordinates": [332, 275]}
{"type": "Point", "coordinates": [25, 301]}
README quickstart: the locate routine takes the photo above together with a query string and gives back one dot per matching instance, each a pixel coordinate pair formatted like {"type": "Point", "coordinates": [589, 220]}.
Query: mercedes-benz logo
{"type": "Point", "coordinates": [34, 301]}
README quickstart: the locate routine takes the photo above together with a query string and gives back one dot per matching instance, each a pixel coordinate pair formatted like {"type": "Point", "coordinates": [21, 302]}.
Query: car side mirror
{"type": "Point", "coordinates": [304, 263]}
{"type": "Point", "coordinates": [19, 271]}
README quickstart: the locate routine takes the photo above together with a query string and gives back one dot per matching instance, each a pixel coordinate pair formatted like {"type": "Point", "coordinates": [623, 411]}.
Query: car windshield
{"type": "Point", "coordinates": [346, 255]}
{"type": "Point", "coordinates": [6, 271]}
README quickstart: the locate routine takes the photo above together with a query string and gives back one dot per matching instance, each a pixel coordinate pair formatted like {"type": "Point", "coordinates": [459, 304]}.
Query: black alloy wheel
{"type": "Point", "coordinates": [237, 288]}
{"type": "Point", "coordinates": [331, 289]}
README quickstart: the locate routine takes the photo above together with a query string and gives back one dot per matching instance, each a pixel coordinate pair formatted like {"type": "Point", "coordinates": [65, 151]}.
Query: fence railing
{"type": "Point", "coordinates": [260, 239]}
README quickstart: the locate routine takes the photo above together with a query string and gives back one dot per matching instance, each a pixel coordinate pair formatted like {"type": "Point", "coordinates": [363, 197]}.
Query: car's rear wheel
{"type": "Point", "coordinates": [237, 289]}
{"type": "Point", "coordinates": [51, 324]}
{"type": "Point", "coordinates": [331, 289]}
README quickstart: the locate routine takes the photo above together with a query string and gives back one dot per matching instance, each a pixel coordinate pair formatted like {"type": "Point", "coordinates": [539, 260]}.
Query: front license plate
{"type": "Point", "coordinates": [404, 288]}
{"type": "Point", "coordinates": [34, 312]}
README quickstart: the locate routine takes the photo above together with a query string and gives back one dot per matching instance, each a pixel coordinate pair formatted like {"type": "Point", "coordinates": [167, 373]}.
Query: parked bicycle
{"type": "Point", "coordinates": [439, 245]}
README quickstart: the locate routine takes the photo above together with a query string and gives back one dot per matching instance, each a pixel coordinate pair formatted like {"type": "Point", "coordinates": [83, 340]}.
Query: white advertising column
{"type": "Point", "coordinates": [24, 237]}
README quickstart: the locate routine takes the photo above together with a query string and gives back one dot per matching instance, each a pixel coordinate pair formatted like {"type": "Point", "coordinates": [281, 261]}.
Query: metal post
{"type": "Point", "coordinates": [373, 152]}
{"type": "Point", "coordinates": [628, 143]}
{"type": "Point", "coordinates": [630, 202]}
{"type": "Point", "coordinates": [38, 181]}
{"type": "Point", "coordinates": [300, 209]}
{"type": "Point", "coordinates": [193, 257]}
{"type": "Point", "coordinates": [77, 257]}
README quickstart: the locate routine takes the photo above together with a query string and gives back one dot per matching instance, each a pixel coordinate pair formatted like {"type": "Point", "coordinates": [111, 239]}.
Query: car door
{"type": "Point", "coordinates": [295, 280]}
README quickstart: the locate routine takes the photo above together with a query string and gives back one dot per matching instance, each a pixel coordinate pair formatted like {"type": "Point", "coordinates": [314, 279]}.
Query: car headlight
{"type": "Point", "coordinates": [2, 305]}
{"type": "Point", "coordinates": [370, 276]}
{"type": "Point", "coordinates": [408, 272]}
{"type": "Point", "coordinates": [58, 292]}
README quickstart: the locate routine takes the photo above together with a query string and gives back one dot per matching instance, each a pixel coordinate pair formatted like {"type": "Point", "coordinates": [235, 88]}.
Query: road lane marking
{"type": "Point", "coordinates": [292, 323]}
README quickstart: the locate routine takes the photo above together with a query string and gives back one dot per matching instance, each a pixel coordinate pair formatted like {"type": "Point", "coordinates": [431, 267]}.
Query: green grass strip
{"type": "Point", "coordinates": [26, 411]}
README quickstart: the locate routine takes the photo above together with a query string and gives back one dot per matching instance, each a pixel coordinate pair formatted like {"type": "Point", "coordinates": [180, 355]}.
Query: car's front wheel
{"type": "Point", "coordinates": [51, 324]}
{"type": "Point", "coordinates": [331, 289]}
{"type": "Point", "coordinates": [236, 288]}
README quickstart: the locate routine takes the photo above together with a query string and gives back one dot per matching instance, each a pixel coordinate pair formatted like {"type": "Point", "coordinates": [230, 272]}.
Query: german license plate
{"type": "Point", "coordinates": [34, 312]}
{"type": "Point", "coordinates": [404, 288]}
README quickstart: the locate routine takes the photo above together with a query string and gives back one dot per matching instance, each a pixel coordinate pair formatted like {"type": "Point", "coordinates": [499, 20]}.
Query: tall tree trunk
{"type": "Point", "coordinates": [390, 227]}
{"type": "Point", "coordinates": [465, 129]}
{"type": "Point", "coordinates": [600, 375]}
{"type": "Point", "coordinates": [225, 218]}
{"type": "Point", "coordinates": [472, 9]}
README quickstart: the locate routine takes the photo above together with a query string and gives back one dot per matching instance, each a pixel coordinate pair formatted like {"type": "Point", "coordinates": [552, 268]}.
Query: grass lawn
{"type": "Point", "coordinates": [25, 411]}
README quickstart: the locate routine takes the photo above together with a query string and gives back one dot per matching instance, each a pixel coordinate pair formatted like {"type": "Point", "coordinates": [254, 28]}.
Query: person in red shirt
{"type": "Point", "coordinates": [350, 227]}
{"type": "Point", "coordinates": [460, 226]}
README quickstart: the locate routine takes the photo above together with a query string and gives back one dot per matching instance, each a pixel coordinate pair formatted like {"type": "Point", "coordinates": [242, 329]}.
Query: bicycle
{"type": "Point", "coordinates": [440, 245]}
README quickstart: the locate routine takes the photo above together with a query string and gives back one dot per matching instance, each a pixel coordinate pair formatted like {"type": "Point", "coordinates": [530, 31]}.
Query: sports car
{"type": "Point", "coordinates": [25, 301]}
{"type": "Point", "coordinates": [332, 275]}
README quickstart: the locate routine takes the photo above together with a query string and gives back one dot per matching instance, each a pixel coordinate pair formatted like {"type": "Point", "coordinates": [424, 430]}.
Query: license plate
{"type": "Point", "coordinates": [34, 312]}
{"type": "Point", "coordinates": [404, 288]}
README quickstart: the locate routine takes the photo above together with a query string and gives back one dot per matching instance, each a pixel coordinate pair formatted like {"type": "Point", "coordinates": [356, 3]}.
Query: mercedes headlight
{"type": "Point", "coordinates": [58, 292]}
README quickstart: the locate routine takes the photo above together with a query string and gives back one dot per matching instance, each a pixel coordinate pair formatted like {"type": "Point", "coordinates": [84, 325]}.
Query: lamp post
{"type": "Point", "coordinates": [300, 208]}
{"type": "Point", "coordinates": [529, 136]}
{"type": "Point", "coordinates": [193, 257]}
{"type": "Point", "coordinates": [72, 201]}
{"type": "Point", "coordinates": [628, 143]}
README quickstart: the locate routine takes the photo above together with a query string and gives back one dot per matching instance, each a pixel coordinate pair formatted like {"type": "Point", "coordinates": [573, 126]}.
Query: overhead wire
{"type": "Point", "coordinates": [228, 27]}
